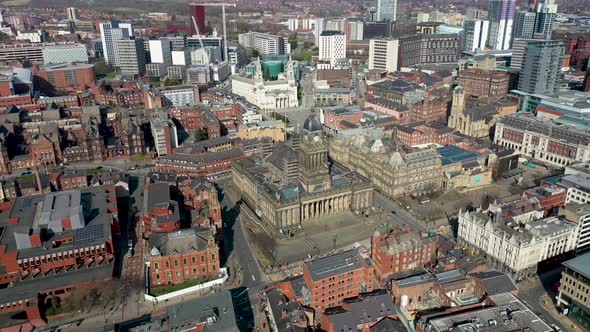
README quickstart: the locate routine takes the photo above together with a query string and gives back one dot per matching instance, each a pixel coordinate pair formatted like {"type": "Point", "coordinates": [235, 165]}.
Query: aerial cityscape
{"type": "Point", "coordinates": [294, 166]}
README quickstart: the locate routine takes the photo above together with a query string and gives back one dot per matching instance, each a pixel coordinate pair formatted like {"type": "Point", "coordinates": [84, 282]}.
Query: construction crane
{"type": "Point", "coordinates": [215, 4]}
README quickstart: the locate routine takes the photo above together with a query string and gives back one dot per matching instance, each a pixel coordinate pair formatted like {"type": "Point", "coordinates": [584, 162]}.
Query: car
{"type": "Point", "coordinates": [555, 328]}
{"type": "Point", "coordinates": [393, 212]}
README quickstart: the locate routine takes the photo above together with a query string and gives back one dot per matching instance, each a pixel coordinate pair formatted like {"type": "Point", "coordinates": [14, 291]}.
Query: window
{"type": "Point", "coordinates": [167, 264]}
{"type": "Point", "coordinates": [184, 261]}
{"type": "Point", "coordinates": [176, 262]}
{"type": "Point", "coordinates": [213, 267]}
{"type": "Point", "coordinates": [203, 269]}
{"type": "Point", "coordinates": [194, 259]}
{"type": "Point", "coordinates": [202, 258]}
{"type": "Point", "coordinates": [212, 257]}
{"type": "Point", "coordinates": [156, 266]}
{"type": "Point", "coordinates": [178, 273]}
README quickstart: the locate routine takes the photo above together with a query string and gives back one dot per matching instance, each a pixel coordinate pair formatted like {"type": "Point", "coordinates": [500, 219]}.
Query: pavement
{"type": "Point", "coordinates": [536, 294]}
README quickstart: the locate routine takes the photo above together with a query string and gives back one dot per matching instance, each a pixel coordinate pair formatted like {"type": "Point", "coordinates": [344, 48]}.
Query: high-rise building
{"type": "Point", "coordinates": [318, 28]}
{"type": "Point", "coordinates": [383, 54]}
{"type": "Point", "coordinates": [293, 24]}
{"type": "Point", "coordinates": [354, 29]}
{"type": "Point", "coordinates": [332, 46]}
{"type": "Point", "coordinates": [387, 10]}
{"type": "Point", "coordinates": [501, 17]}
{"type": "Point", "coordinates": [198, 12]}
{"type": "Point", "coordinates": [265, 43]}
{"type": "Point", "coordinates": [131, 57]}
{"type": "Point", "coordinates": [380, 29]}
{"type": "Point", "coordinates": [73, 13]}
{"type": "Point", "coordinates": [541, 69]}
{"type": "Point", "coordinates": [110, 32]}
{"type": "Point", "coordinates": [537, 23]}
{"type": "Point", "coordinates": [475, 34]}
{"type": "Point", "coordinates": [475, 14]}
{"type": "Point", "coordinates": [546, 13]}
{"type": "Point", "coordinates": [429, 48]}
{"type": "Point", "coordinates": [160, 51]}
{"type": "Point", "coordinates": [524, 24]}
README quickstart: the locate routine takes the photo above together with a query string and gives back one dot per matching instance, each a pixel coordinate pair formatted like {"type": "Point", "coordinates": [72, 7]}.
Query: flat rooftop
{"type": "Point", "coordinates": [580, 264]}
{"type": "Point", "coordinates": [509, 314]}
{"type": "Point", "coordinates": [333, 265]}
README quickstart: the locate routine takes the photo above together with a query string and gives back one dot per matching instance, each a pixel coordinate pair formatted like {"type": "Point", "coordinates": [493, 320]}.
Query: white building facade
{"type": "Point", "coordinates": [332, 46]}
{"type": "Point", "coordinates": [512, 247]}
{"type": "Point", "coordinates": [383, 54]}
{"type": "Point", "coordinates": [268, 95]}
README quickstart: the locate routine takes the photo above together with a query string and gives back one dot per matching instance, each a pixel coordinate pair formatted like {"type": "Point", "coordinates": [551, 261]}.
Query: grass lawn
{"type": "Point", "coordinates": [161, 290]}
{"type": "Point", "coordinates": [141, 157]}
{"type": "Point", "coordinates": [95, 171]}
{"type": "Point", "coordinates": [26, 178]}
{"type": "Point", "coordinates": [15, 3]}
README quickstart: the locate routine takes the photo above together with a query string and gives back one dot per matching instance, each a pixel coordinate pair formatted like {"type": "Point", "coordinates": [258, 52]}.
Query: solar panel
{"type": "Point", "coordinates": [89, 234]}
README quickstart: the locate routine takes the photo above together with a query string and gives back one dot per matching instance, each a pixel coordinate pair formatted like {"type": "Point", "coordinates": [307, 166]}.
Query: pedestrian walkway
{"type": "Point", "coordinates": [566, 322]}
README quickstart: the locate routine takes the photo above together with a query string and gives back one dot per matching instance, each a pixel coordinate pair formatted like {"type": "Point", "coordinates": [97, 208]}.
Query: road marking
{"type": "Point", "coordinates": [254, 279]}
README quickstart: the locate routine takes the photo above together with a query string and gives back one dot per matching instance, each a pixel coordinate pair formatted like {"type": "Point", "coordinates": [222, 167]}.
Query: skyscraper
{"type": "Point", "coordinates": [536, 22]}
{"type": "Point", "coordinates": [546, 12]}
{"type": "Point", "coordinates": [386, 10]}
{"type": "Point", "coordinates": [501, 17]}
{"type": "Point", "coordinates": [73, 14]}
{"type": "Point", "coordinates": [524, 24]}
{"type": "Point", "coordinates": [383, 54]}
{"type": "Point", "coordinates": [475, 34]}
{"type": "Point", "coordinates": [131, 57]}
{"type": "Point", "coordinates": [332, 46]}
{"type": "Point", "coordinates": [198, 12]}
{"type": "Point", "coordinates": [110, 32]}
{"type": "Point", "coordinates": [541, 70]}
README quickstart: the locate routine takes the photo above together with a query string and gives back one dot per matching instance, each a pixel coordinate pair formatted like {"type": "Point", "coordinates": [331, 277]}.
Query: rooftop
{"type": "Point", "coordinates": [333, 265]}
{"type": "Point", "coordinates": [364, 309]}
{"type": "Point", "coordinates": [509, 314]}
{"type": "Point", "coordinates": [580, 264]}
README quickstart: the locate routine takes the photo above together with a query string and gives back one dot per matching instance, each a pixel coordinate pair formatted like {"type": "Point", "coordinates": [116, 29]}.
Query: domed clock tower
{"type": "Point", "coordinates": [314, 174]}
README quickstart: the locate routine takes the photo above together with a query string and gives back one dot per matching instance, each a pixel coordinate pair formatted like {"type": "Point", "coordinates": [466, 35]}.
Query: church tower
{"type": "Point", "coordinates": [457, 108]}
{"type": "Point", "coordinates": [214, 208]}
{"type": "Point", "coordinates": [314, 174]}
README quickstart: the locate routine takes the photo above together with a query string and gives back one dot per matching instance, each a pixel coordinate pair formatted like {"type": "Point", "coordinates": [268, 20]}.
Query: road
{"type": "Point", "coordinates": [401, 217]}
{"type": "Point", "coordinates": [532, 291]}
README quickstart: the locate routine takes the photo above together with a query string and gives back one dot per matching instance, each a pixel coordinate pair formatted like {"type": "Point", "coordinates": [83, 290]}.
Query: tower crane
{"type": "Point", "coordinates": [215, 4]}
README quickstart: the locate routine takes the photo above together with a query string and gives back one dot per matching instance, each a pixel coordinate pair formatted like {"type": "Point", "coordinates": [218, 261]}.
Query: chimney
{"type": "Point", "coordinates": [35, 240]}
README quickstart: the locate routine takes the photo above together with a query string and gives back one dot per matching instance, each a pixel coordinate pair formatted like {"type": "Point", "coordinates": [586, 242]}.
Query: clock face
{"type": "Point", "coordinates": [316, 138]}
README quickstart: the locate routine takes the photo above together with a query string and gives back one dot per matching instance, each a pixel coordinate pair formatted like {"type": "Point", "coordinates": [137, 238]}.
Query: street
{"type": "Point", "coordinates": [402, 217]}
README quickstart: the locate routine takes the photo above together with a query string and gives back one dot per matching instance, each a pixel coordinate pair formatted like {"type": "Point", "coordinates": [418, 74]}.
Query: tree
{"type": "Point", "coordinates": [201, 135]}
{"type": "Point", "coordinates": [4, 37]}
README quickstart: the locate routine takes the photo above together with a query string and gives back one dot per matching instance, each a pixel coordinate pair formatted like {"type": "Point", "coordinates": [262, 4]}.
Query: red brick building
{"type": "Point", "coordinates": [55, 242]}
{"type": "Point", "coordinates": [421, 132]}
{"type": "Point", "coordinates": [333, 278]}
{"type": "Point", "coordinates": [192, 119]}
{"type": "Point", "coordinates": [64, 76]}
{"type": "Point", "coordinates": [550, 197]}
{"type": "Point", "coordinates": [182, 256]}
{"type": "Point", "coordinates": [485, 84]}
{"type": "Point", "coordinates": [362, 312]}
{"type": "Point", "coordinates": [400, 251]}
{"type": "Point", "coordinates": [209, 165]}
{"type": "Point", "coordinates": [430, 110]}
{"type": "Point", "coordinates": [162, 214]}
{"type": "Point", "coordinates": [333, 118]}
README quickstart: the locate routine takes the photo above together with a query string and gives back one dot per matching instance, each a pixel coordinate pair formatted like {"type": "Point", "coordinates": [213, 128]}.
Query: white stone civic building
{"type": "Point", "coordinates": [268, 95]}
